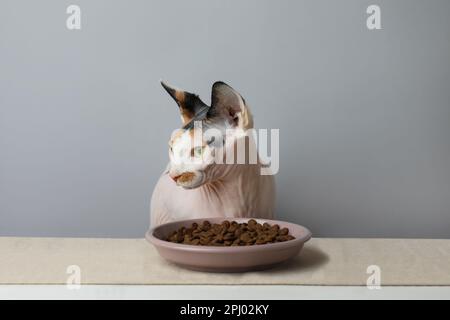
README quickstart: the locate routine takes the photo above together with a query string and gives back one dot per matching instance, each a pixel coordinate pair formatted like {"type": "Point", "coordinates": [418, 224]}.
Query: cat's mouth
{"type": "Point", "coordinates": [190, 180]}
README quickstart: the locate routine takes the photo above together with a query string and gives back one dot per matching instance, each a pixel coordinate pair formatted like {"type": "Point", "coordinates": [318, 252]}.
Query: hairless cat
{"type": "Point", "coordinates": [200, 181]}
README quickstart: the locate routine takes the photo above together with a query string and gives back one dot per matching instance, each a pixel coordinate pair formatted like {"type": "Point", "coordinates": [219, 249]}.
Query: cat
{"type": "Point", "coordinates": [195, 184]}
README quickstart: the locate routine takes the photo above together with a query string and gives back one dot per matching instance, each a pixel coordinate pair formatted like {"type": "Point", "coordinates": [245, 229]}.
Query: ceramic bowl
{"type": "Point", "coordinates": [227, 259]}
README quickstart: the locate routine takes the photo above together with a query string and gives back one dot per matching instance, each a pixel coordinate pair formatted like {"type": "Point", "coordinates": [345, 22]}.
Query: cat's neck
{"type": "Point", "coordinates": [240, 176]}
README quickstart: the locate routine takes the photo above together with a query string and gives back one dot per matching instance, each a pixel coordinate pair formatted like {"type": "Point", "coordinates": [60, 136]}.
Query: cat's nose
{"type": "Point", "coordinates": [175, 178]}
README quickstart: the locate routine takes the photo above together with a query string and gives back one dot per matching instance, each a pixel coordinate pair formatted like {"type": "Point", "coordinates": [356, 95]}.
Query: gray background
{"type": "Point", "coordinates": [363, 115]}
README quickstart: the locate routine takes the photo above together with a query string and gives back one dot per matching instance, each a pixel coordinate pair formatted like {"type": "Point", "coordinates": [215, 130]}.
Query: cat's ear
{"type": "Point", "coordinates": [229, 104]}
{"type": "Point", "coordinates": [189, 103]}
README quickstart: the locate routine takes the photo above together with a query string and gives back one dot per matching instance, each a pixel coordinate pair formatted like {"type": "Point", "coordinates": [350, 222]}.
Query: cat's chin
{"type": "Point", "coordinates": [190, 186]}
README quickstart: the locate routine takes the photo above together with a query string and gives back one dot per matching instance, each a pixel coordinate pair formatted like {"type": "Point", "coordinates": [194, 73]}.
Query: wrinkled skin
{"type": "Point", "coordinates": [243, 192]}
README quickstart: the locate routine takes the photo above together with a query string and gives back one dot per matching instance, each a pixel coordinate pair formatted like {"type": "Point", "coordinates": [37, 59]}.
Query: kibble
{"type": "Point", "coordinates": [230, 233]}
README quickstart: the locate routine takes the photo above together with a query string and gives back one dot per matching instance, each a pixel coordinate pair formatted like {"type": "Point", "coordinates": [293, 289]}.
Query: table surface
{"type": "Point", "coordinates": [323, 261]}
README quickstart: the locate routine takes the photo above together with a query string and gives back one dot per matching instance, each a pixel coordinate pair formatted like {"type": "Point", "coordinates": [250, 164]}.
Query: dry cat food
{"type": "Point", "coordinates": [230, 234]}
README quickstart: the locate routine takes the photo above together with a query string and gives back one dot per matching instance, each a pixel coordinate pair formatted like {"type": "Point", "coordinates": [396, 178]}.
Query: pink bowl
{"type": "Point", "coordinates": [227, 259]}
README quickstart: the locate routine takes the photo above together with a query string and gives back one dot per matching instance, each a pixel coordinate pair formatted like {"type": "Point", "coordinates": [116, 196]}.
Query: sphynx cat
{"type": "Point", "coordinates": [199, 181]}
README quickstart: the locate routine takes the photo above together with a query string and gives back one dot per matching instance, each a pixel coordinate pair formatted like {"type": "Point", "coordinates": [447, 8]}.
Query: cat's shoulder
{"type": "Point", "coordinates": [165, 180]}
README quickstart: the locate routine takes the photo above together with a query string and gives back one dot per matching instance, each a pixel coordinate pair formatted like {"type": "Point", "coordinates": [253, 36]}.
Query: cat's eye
{"type": "Point", "coordinates": [170, 149]}
{"type": "Point", "coordinates": [197, 151]}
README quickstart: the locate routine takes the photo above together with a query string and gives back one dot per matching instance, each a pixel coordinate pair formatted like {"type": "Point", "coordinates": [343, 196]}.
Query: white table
{"type": "Point", "coordinates": [132, 269]}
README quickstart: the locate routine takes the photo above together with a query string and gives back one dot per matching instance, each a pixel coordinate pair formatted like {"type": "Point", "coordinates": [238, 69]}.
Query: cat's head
{"type": "Point", "coordinates": [206, 133]}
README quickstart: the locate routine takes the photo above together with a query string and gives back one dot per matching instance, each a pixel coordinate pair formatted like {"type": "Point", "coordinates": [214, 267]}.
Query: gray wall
{"type": "Point", "coordinates": [363, 115]}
